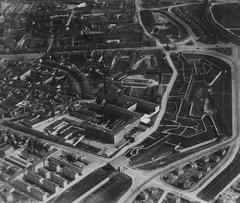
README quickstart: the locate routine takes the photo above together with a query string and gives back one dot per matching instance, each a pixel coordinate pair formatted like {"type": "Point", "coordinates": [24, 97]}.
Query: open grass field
{"type": "Point", "coordinates": [228, 15]}
{"type": "Point", "coordinates": [111, 191]}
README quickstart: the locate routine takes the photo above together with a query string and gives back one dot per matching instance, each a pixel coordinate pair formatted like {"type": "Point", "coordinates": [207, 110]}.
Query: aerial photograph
{"type": "Point", "coordinates": [119, 101]}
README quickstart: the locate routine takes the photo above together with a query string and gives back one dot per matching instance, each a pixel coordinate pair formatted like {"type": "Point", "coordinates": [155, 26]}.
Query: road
{"type": "Point", "coordinates": [76, 51]}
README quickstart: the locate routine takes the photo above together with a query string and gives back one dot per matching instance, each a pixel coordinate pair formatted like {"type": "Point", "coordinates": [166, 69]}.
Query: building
{"type": "Point", "coordinates": [37, 179]}
{"type": "Point", "coordinates": [3, 113]}
{"type": "Point", "coordinates": [50, 186]}
{"type": "Point", "coordinates": [207, 168]}
{"type": "Point", "coordinates": [4, 176]}
{"type": "Point", "coordinates": [21, 185]}
{"type": "Point", "coordinates": [117, 123]}
{"type": "Point", "coordinates": [38, 166]}
{"type": "Point", "coordinates": [62, 182]}
{"type": "Point", "coordinates": [193, 165]}
{"type": "Point", "coordinates": [44, 173]}
{"type": "Point", "coordinates": [54, 166]}
{"type": "Point", "coordinates": [179, 171]}
{"type": "Point", "coordinates": [6, 150]}
{"type": "Point", "coordinates": [107, 123]}
{"type": "Point", "coordinates": [206, 159]}
{"type": "Point", "coordinates": [70, 173]}
{"type": "Point", "coordinates": [143, 196]}
{"type": "Point", "coordinates": [8, 196]}
{"type": "Point", "coordinates": [38, 194]}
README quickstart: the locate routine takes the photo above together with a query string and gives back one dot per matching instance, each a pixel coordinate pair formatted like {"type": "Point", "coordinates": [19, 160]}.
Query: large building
{"type": "Point", "coordinates": [103, 123]}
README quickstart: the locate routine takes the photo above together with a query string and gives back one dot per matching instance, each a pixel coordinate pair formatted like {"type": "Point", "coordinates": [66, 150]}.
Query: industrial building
{"type": "Point", "coordinates": [106, 123]}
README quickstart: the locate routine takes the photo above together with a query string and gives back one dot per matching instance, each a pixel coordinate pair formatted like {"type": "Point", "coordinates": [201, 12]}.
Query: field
{"type": "Point", "coordinates": [228, 15]}
{"type": "Point", "coordinates": [111, 191]}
